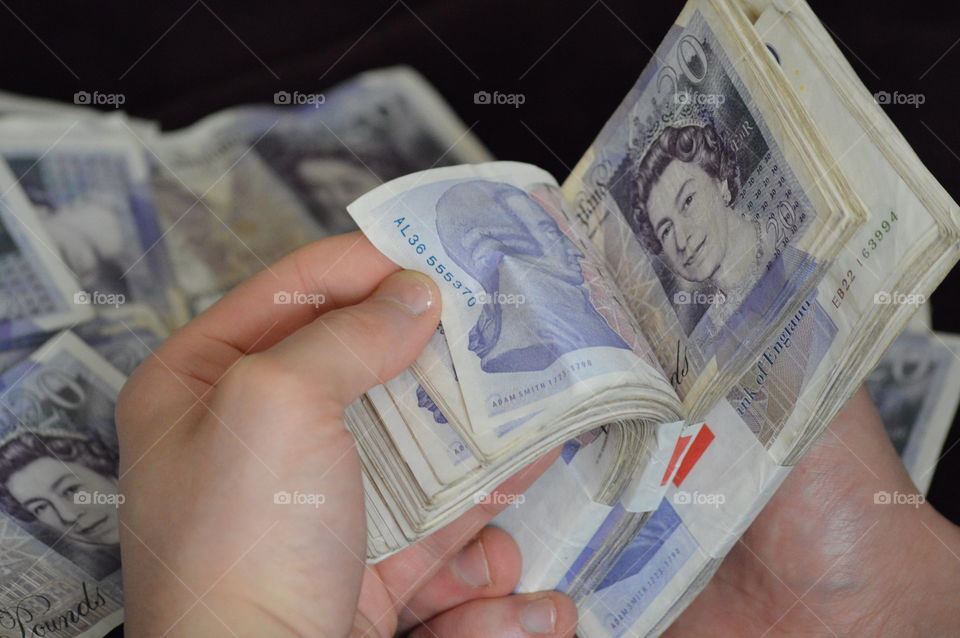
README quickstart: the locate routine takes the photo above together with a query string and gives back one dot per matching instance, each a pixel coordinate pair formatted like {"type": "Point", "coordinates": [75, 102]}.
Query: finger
{"type": "Point", "coordinates": [406, 572]}
{"type": "Point", "coordinates": [309, 376]}
{"type": "Point", "coordinates": [488, 567]}
{"type": "Point", "coordinates": [337, 271]}
{"type": "Point", "coordinates": [542, 615]}
{"type": "Point", "coordinates": [346, 351]}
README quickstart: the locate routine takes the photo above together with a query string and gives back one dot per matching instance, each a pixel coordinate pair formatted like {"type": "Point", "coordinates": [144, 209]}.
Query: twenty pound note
{"type": "Point", "coordinates": [529, 311]}
{"type": "Point", "coordinates": [713, 208]}
{"type": "Point", "coordinates": [59, 498]}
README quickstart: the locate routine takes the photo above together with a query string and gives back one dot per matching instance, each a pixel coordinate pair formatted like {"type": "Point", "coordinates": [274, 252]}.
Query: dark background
{"type": "Point", "coordinates": [573, 61]}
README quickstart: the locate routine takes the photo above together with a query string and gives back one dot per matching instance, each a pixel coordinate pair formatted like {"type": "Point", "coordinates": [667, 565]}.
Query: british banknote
{"type": "Point", "coordinates": [60, 552]}
{"type": "Point", "coordinates": [125, 337]}
{"type": "Point", "coordinates": [448, 456]}
{"type": "Point", "coordinates": [90, 187]}
{"type": "Point", "coordinates": [528, 312]}
{"type": "Point", "coordinates": [708, 210]}
{"type": "Point", "coordinates": [38, 290]}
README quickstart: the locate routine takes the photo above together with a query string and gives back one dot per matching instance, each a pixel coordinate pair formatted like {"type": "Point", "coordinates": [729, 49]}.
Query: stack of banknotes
{"type": "Point", "coordinates": [725, 265]}
{"type": "Point", "coordinates": [683, 315]}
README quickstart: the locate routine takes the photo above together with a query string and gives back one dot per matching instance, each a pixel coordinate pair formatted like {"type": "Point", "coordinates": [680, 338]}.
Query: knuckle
{"type": "Point", "coordinates": [302, 265]}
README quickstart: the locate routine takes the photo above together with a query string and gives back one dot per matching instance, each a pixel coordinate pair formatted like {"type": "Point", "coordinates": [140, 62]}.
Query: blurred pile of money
{"type": "Point", "coordinates": [112, 234]}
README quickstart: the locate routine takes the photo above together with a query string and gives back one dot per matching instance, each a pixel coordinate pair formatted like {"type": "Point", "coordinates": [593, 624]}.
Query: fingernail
{"type": "Point", "coordinates": [408, 288]}
{"type": "Point", "coordinates": [539, 617]}
{"type": "Point", "coordinates": [471, 566]}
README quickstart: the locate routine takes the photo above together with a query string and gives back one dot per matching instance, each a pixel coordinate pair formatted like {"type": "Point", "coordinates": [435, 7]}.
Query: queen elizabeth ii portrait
{"type": "Point", "coordinates": [60, 486]}
{"type": "Point", "coordinates": [537, 305]}
{"type": "Point", "coordinates": [683, 212]}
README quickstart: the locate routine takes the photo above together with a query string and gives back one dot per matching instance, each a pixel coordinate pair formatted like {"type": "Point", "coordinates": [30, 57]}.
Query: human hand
{"type": "Point", "coordinates": [247, 401]}
{"type": "Point", "coordinates": [824, 559]}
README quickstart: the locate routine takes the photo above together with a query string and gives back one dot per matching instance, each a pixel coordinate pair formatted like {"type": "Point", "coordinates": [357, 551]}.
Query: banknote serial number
{"type": "Point", "coordinates": [446, 273]}
{"type": "Point", "coordinates": [869, 247]}
{"type": "Point", "coordinates": [878, 236]}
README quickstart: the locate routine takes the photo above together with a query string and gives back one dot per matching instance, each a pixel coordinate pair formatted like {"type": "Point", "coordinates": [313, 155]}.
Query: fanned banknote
{"type": "Point", "coordinates": [536, 345]}
{"type": "Point", "coordinates": [529, 314]}
{"type": "Point", "coordinates": [60, 551]}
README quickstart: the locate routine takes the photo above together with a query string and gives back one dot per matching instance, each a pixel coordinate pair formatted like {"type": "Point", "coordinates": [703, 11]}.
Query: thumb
{"type": "Point", "coordinates": [347, 351]}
